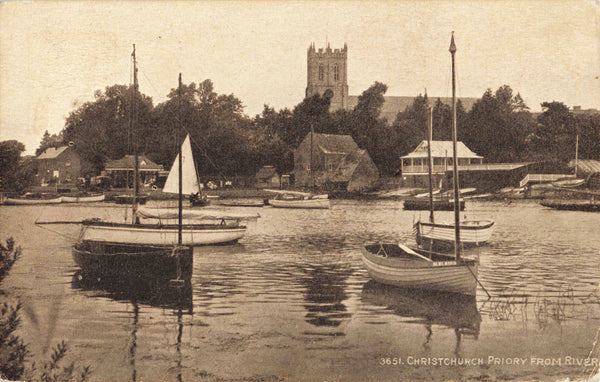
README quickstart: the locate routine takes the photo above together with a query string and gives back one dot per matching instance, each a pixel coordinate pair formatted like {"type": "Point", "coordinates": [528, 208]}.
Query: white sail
{"type": "Point", "coordinates": [188, 173]}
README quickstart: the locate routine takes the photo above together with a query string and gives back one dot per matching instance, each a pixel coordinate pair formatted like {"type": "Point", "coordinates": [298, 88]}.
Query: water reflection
{"type": "Point", "coordinates": [458, 312]}
{"type": "Point", "coordinates": [152, 292]}
{"type": "Point", "coordinates": [325, 293]}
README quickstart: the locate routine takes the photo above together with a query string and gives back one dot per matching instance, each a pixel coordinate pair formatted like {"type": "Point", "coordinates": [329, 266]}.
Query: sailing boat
{"type": "Point", "coordinates": [189, 175]}
{"type": "Point", "coordinates": [402, 266]}
{"type": "Point", "coordinates": [298, 199]}
{"type": "Point", "coordinates": [159, 233]}
{"type": "Point", "coordinates": [434, 236]}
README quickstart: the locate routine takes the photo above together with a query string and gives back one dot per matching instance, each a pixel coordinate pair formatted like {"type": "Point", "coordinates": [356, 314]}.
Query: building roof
{"type": "Point", "coordinates": [347, 168]}
{"type": "Point", "coordinates": [395, 104]}
{"type": "Point", "coordinates": [52, 152]}
{"type": "Point", "coordinates": [333, 143]}
{"type": "Point", "coordinates": [586, 166]}
{"type": "Point", "coordinates": [128, 163]}
{"type": "Point", "coordinates": [442, 149]}
{"type": "Point", "coordinates": [266, 172]}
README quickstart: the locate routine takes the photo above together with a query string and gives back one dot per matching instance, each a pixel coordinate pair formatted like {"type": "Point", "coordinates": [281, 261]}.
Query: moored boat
{"type": "Point", "coordinates": [422, 204]}
{"type": "Point", "coordinates": [129, 199]}
{"type": "Point", "coordinates": [439, 236]}
{"type": "Point", "coordinates": [33, 200]}
{"type": "Point", "coordinates": [297, 199]}
{"type": "Point", "coordinates": [133, 261]}
{"type": "Point", "coordinates": [402, 266]}
{"type": "Point", "coordinates": [83, 198]}
{"type": "Point", "coordinates": [573, 205]}
{"type": "Point", "coordinates": [242, 203]}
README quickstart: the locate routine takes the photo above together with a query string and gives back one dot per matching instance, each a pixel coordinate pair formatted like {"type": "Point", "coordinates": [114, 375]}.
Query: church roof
{"type": "Point", "coordinates": [396, 104]}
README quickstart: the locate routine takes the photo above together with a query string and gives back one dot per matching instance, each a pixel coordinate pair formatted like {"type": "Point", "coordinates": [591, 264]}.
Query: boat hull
{"type": "Point", "coordinates": [587, 206]}
{"type": "Point", "coordinates": [31, 201]}
{"type": "Point", "coordinates": [445, 276]}
{"type": "Point", "coordinates": [156, 234]}
{"type": "Point", "coordinates": [414, 204]}
{"type": "Point", "coordinates": [128, 199]}
{"type": "Point", "coordinates": [300, 203]}
{"type": "Point", "coordinates": [131, 262]}
{"type": "Point", "coordinates": [442, 236]}
{"type": "Point", "coordinates": [83, 199]}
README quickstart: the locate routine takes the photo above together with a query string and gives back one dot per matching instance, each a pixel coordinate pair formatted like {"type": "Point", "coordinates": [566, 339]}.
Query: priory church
{"type": "Point", "coordinates": [327, 75]}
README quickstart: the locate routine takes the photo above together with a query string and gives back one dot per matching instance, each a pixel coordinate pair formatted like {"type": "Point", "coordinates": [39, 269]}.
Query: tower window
{"type": "Point", "coordinates": [336, 73]}
{"type": "Point", "coordinates": [321, 72]}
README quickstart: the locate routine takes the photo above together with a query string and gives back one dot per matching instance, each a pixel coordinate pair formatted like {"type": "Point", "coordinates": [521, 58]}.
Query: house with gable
{"type": "Point", "coordinates": [59, 164]}
{"type": "Point", "coordinates": [336, 164]}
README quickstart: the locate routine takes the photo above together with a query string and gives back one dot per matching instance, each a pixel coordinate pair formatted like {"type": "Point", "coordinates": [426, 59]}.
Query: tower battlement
{"type": "Point", "coordinates": [327, 74]}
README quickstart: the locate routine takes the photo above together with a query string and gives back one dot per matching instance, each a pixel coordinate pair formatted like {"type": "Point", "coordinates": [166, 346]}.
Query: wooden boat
{"type": "Point", "coordinates": [573, 205]}
{"type": "Point", "coordinates": [568, 183]}
{"type": "Point", "coordinates": [297, 199]}
{"type": "Point", "coordinates": [83, 198]}
{"type": "Point", "coordinates": [133, 261]}
{"type": "Point", "coordinates": [193, 214]}
{"type": "Point", "coordinates": [439, 236]}
{"type": "Point", "coordinates": [242, 203]}
{"type": "Point", "coordinates": [129, 199]}
{"type": "Point", "coordinates": [189, 177]}
{"type": "Point", "coordinates": [33, 199]}
{"type": "Point", "coordinates": [422, 204]}
{"type": "Point", "coordinates": [397, 264]}
{"type": "Point", "coordinates": [434, 235]}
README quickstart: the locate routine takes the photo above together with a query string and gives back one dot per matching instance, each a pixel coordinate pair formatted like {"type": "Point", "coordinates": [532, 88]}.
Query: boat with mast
{"type": "Point", "coordinates": [189, 233]}
{"type": "Point", "coordinates": [400, 265]}
{"type": "Point", "coordinates": [441, 235]}
{"type": "Point", "coordinates": [299, 199]}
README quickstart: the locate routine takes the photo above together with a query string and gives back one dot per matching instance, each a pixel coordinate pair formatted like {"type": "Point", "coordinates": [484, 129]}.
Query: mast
{"type": "Point", "coordinates": [454, 159]}
{"type": "Point", "coordinates": [429, 139]}
{"type": "Point", "coordinates": [133, 122]}
{"type": "Point", "coordinates": [180, 179]}
{"type": "Point", "coordinates": [576, 152]}
{"type": "Point", "coordinates": [312, 177]}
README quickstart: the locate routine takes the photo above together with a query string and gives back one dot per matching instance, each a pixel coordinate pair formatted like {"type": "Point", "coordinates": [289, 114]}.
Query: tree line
{"type": "Point", "coordinates": [227, 142]}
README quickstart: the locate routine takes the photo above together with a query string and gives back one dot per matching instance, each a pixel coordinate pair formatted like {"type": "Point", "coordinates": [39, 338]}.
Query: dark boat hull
{"type": "Point", "coordinates": [131, 262]}
{"type": "Point", "coordinates": [587, 206]}
{"type": "Point", "coordinates": [128, 199]}
{"type": "Point", "coordinates": [422, 204]}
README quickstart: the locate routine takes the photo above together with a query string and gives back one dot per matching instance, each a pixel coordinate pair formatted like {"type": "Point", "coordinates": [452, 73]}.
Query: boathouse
{"type": "Point", "coordinates": [415, 165]}
{"type": "Point", "coordinates": [267, 177]}
{"type": "Point", "coordinates": [59, 165]}
{"type": "Point", "coordinates": [338, 164]}
{"type": "Point", "coordinates": [121, 171]}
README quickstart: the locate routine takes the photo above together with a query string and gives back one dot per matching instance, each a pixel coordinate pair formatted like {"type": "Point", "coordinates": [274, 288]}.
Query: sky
{"type": "Point", "coordinates": [55, 54]}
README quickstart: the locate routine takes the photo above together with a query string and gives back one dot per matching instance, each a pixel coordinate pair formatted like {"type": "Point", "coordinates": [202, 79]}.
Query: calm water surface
{"type": "Point", "coordinates": [293, 301]}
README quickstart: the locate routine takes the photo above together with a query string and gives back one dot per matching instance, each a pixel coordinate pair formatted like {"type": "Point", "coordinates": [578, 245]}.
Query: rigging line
{"type": "Point", "coordinates": [59, 234]}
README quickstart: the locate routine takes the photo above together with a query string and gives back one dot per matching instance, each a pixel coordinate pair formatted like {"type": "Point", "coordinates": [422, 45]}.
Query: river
{"type": "Point", "coordinates": [291, 301]}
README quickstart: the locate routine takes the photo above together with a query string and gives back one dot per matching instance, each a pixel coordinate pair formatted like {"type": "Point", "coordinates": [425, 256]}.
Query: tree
{"type": "Point", "coordinates": [54, 140]}
{"type": "Point", "coordinates": [497, 126]}
{"type": "Point", "coordinates": [17, 174]}
{"type": "Point", "coordinates": [104, 129]}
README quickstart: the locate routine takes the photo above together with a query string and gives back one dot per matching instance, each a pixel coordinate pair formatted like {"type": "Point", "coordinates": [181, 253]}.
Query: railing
{"type": "Point", "coordinates": [543, 178]}
{"type": "Point", "coordinates": [424, 169]}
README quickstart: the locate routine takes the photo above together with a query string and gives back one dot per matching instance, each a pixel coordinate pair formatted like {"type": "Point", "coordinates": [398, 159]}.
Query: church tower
{"type": "Point", "coordinates": [327, 75]}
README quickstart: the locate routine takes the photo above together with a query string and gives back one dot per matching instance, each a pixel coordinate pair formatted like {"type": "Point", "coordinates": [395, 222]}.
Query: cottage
{"type": "Point", "coordinates": [267, 177]}
{"type": "Point", "coordinates": [59, 165]}
{"type": "Point", "coordinates": [415, 165]}
{"type": "Point", "coordinates": [338, 164]}
{"type": "Point", "coordinates": [121, 171]}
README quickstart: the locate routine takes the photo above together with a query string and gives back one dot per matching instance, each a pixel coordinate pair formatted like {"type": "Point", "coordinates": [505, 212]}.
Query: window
{"type": "Point", "coordinates": [321, 72]}
{"type": "Point", "coordinates": [336, 73]}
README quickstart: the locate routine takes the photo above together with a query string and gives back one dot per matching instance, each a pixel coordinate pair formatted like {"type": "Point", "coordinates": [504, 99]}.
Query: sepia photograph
{"type": "Point", "coordinates": [312, 191]}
